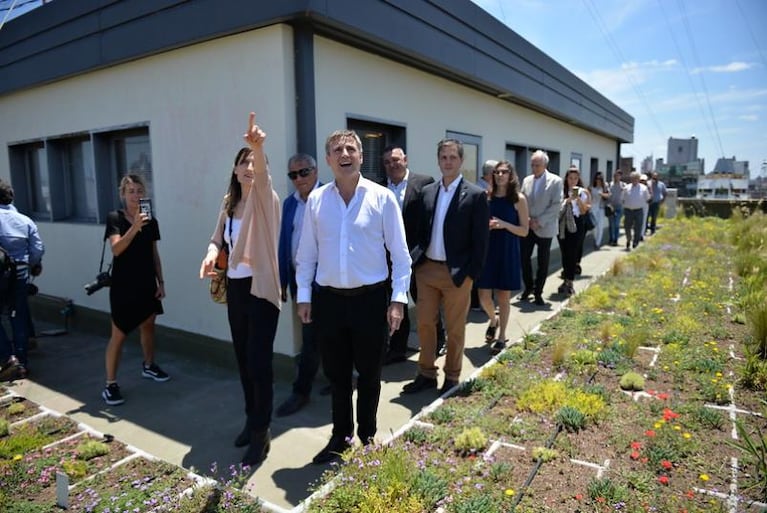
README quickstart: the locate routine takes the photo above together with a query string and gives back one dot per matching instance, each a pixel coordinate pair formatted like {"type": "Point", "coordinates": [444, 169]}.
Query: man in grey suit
{"type": "Point", "coordinates": [543, 190]}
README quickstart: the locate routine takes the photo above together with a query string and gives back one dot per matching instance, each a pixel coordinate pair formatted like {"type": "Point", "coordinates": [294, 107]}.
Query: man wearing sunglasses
{"type": "Point", "coordinates": [302, 172]}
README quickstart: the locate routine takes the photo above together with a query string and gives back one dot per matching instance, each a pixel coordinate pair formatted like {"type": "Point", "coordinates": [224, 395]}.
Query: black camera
{"type": "Point", "coordinates": [102, 280]}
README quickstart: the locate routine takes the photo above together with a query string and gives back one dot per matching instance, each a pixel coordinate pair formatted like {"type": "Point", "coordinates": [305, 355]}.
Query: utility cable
{"type": "Point", "coordinates": [686, 23]}
{"type": "Point", "coordinates": [687, 70]}
{"type": "Point", "coordinates": [619, 55]}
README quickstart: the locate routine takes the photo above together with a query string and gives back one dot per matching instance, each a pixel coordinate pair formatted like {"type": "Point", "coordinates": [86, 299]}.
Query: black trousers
{"type": "Point", "coordinates": [253, 322]}
{"type": "Point", "coordinates": [352, 331]}
{"type": "Point", "coordinates": [544, 253]}
{"type": "Point", "coordinates": [571, 248]}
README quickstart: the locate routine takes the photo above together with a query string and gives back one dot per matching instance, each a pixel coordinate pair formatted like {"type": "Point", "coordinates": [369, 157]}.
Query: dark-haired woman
{"type": "Point", "coordinates": [502, 271]}
{"type": "Point", "coordinates": [137, 284]}
{"type": "Point", "coordinates": [572, 229]}
{"type": "Point", "coordinates": [249, 224]}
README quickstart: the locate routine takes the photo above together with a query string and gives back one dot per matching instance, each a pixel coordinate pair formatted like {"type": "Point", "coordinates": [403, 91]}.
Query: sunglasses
{"type": "Point", "coordinates": [501, 172]}
{"type": "Point", "coordinates": [303, 173]}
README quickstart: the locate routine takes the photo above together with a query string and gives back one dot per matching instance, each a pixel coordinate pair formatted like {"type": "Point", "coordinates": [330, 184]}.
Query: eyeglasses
{"type": "Point", "coordinates": [303, 173]}
{"type": "Point", "coordinates": [501, 172]}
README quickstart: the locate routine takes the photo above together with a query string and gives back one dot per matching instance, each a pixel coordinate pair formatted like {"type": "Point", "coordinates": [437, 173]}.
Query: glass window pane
{"type": "Point", "coordinates": [37, 171]}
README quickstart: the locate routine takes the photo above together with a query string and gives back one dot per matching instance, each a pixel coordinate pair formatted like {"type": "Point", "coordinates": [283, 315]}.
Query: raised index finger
{"type": "Point", "coordinates": [251, 121]}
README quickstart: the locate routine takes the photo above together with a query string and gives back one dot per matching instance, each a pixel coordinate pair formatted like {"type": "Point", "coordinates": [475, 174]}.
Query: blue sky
{"type": "Point", "coordinates": [679, 67]}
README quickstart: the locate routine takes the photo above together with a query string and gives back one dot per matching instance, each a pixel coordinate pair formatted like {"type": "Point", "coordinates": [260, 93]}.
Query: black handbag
{"type": "Point", "coordinates": [609, 210]}
{"type": "Point", "coordinates": [588, 221]}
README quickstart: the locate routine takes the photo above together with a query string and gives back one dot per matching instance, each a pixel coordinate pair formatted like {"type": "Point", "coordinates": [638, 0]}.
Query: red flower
{"type": "Point", "coordinates": [662, 396]}
{"type": "Point", "coordinates": [649, 433]}
{"type": "Point", "coordinates": [663, 480]}
{"type": "Point", "coordinates": [668, 414]}
{"type": "Point", "coordinates": [651, 392]}
{"type": "Point", "coordinates": [578, 496]}
{"type": "Point", "coordinates": [636, 446]}
{"type": "Point", "coordinates": [644, 460]}
{"type": "Point", "coordinates": [690, 494]}
{"type": "Point", "coordinates": [635, 455]}
{"type": "Point", "coordinates": [666, 464]}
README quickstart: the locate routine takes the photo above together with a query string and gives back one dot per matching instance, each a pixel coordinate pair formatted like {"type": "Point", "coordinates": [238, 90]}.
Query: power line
{"type": "Point", "coordinates": [687, 70]}
{"type": "Point", "coordinates": [619, 55]}
{"type": "Point", "coordinates": [10, 9]}
{"type": "Point", "coordinates": [686, 23]}
{"type": "Point", "coordinates": [751, 33]}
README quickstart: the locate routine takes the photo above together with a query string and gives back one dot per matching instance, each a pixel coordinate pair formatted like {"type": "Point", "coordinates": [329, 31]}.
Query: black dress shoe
{"type": "Point", "coordinates": [394, 357]}
{"type": "Point", "coordinates": [243, 438]}
{"type": "Point", "coordinates": [539, 300]}
{"type": "Point", "coordinates": [260, 442]}
{"type": "Point", "coordinates": [524, 296]}
{"type": "Point", "coordinates": [447, 385]}
{"type": "Point", "coordinates": [578, 270]}
{"type": "Point", "coordinates": [291, 405]}
{"type": "Point", "coordinates": [418, 384]}
{"type": "Point", "coordinates": [336, 446]}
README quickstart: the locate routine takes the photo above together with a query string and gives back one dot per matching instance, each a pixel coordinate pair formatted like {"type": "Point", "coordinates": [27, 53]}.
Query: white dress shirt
{"type": "Point", "coordinates": [635, 196]}
{"type": "Point", "coordinates": [436, 249]}
{"type": "Point", "coordinates": [399, 188]}
{"type": "Point", "coordinates": [298, 223]}
{"type": "Point", "coordinates": [345, 244]}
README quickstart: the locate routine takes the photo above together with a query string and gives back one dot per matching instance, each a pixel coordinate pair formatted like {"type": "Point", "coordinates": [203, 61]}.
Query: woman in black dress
{"type": "Point", "coordinates": [137, 284]}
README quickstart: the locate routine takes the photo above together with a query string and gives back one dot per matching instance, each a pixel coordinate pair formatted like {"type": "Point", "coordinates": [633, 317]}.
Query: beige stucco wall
{"type": "Point", "coordinates": [196, 101]}
{"type": "Point", "coordinates": [352, 83]}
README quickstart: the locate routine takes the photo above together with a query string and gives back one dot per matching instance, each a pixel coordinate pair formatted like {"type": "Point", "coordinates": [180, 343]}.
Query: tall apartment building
{"type": "Point", "coordinates": [681, 151]}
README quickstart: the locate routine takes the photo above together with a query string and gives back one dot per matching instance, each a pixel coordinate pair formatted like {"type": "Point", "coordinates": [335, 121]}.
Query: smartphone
{"type": "Point", "coordinates": [145, 207]}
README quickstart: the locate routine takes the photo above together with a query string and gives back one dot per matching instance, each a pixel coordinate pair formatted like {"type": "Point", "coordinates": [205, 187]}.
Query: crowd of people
{"type": "Point", "coordinates": [347, 254]}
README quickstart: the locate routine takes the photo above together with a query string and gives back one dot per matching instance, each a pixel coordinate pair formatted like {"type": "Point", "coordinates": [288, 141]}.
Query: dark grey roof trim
{"type": "Point", "coordinates": [451, 38]}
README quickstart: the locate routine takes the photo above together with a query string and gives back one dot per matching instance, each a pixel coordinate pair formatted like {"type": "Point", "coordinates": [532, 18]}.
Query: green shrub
{"type": "Point", "coordinates": [544, 454]}
{"type": "Point", "coordinates": [14, 409]}
{"type": "Point", "coordinates": [4, 427]}
{"type": "Point", "coordinates": [470, 440]}
{"type": "Point", "coordinates": [91, 449]}
{"type": "Point", "coordinates": [632, 381]}
{"type": "Point", "coordinates": [571, 419]}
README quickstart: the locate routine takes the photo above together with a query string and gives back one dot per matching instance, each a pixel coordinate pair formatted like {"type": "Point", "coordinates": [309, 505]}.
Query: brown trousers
{"type": "Point", "coordinates": [435, 287]}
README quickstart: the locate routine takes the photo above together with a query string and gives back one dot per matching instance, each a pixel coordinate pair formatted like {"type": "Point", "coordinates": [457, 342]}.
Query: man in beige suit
{"type": "Point", "coordinates": [543, 190]}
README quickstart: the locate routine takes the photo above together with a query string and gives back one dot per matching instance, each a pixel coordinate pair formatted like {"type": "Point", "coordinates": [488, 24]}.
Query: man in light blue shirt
{"type": "Point", "coordinates": [658, 190]}
{"type": "Point", "coordinates": [21, 241]}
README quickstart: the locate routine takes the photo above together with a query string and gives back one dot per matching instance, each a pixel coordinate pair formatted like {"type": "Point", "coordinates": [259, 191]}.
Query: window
{"type": "Point", "coordinates": [519, 157]}
{"type": "Point", "coordinates": [375, 137]}
{"type": "Point", "coordinates": [130, 155]}
{"type": "Point", "coordinates": [575, 160]}
{"type": "Point", "coordinates": [472, 152]}
{"type": "Point", "coordinates": [29, 177]}
{"type": "Point", "coordinates": [75, 178]}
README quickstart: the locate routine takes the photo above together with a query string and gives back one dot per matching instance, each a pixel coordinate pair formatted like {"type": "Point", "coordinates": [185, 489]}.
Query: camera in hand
{"type": "Point", "coordinates": [102, 280]}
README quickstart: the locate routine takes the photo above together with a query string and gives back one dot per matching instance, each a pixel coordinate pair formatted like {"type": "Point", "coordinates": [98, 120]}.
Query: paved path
{"type": "Point", "coordinates": [193, 419]}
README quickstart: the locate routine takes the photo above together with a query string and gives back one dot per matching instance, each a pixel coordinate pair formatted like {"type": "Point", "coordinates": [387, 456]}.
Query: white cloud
{"type": "Point", "coordinates": [732, 67]}
{"type": "Point", "coordinates": [618, 84]}
{"type": "Point", "coordinates": [749, 117]}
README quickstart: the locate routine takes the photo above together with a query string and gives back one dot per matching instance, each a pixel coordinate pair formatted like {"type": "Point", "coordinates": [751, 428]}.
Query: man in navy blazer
{"type": "Point", "coordinates": [302, 171]}
{"type": "Point", "coordinates": [407, 187]}
{"type": "Point", "coordinates": [452, 241]}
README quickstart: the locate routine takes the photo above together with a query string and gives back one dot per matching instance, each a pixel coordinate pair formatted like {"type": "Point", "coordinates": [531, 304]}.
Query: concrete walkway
{"type": "Point", "coordinates": [193, 419]}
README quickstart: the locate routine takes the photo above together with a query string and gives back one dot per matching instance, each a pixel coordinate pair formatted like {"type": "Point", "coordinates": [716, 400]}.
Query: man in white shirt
{"type": "Point", "coordinates": [349, 225]}
{"type": "Point", "coordinates": [635, 198]}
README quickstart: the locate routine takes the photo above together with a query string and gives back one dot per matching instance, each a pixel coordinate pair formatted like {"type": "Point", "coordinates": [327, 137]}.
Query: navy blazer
{"type": "Point", "coordinates": [284, 256]}
{"type": "Point", "coordinates": [411, 205]}
{"type": "Point", "coordinates": [466, 229]}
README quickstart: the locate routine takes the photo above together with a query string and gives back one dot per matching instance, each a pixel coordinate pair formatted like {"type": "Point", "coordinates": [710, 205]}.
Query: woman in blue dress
{"type": "Point", "coordinates": [501, 274]}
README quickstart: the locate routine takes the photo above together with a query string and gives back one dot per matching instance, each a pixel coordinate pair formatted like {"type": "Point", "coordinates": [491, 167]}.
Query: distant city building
{"type": "Point", "coordinates": [647, 165]}
{"type": "Point", "coordinates": [739, 167]}
{"type": "Point", "coordinates": [682, 177]}
{"type": "Point", "coordinates": [681, 151]}
{"type": "Point", "coordinates": [723, 186]}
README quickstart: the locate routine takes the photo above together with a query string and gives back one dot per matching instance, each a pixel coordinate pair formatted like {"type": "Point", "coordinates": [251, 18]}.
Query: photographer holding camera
{"type": "Point", "coordinates": [575, 205]}
{"type": "Point", "coordinates": [136, 284]}
{"type": "Point", "coordinates": [23, 249]}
